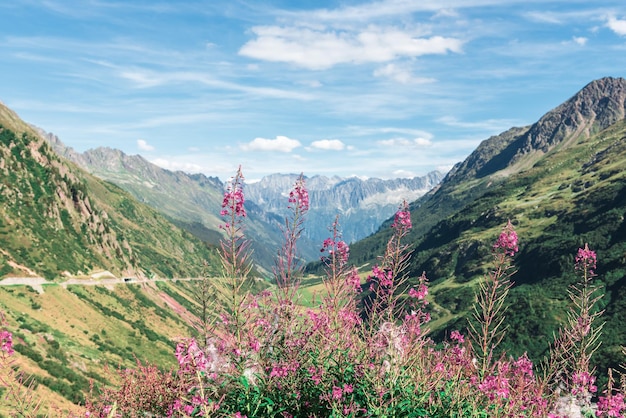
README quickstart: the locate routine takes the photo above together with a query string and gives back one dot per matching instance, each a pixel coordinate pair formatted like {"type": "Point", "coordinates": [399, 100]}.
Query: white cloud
{"type": "Point", "coordinates": [173, 165]}
{"type": "Point", "coordinates": [319, 49]}
{"type": "Point", "coordinates": [404, 174]}
{"type": "Point", "coordinates": [487, 125]}
{"type": "Point", "coordinates": [401, 75]}
{"type": "Point", "coordinates": [280, 144]}
{"type": "Point", "coordinates": [143, 145]}
{"type": "Point", "coordinates": [404, 142]}
{"type": "Point", "coordinates": [617, 25]}
{"type": "Point", "coordinates": [580, 40]}
{"type": "Point", "coordinates": [328, 144]}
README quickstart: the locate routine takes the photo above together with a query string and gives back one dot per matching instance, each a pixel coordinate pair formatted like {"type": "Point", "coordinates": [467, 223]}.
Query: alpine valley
{"type": "Point", "coordinates": [192, 201]}
{"type": "Point", "coordinates": [560, 181]}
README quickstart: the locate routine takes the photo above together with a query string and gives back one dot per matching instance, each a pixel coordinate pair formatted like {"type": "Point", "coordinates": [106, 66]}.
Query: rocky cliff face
{"type": "Point", "coordinates": [362, 205]}
{"type": "Point", "coordinates": [597, 106]}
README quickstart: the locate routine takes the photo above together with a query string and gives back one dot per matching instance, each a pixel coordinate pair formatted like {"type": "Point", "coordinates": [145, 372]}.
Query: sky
{"type": "Point", "coordinates": [388, 88]}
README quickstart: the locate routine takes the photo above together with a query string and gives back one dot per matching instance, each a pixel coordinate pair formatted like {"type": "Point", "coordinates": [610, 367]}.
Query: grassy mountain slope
{"type": "Point", "coordinates": [562, 183]}
{"type": "Point", "coordinates": [55, 218]}
{"type": "Point", "coordinates": [69, 335]}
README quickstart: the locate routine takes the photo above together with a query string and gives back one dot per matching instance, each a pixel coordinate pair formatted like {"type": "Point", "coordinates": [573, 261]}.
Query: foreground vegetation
{"type": "Point", "coordinates": [362, 350]}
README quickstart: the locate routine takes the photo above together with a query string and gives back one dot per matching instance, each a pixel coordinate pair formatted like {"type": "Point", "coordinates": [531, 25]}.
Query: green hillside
{"type": "Point", "coordinates": [72, 334]}
{"type": "Point", "coordinates": [562, 183]}
{"type": "Point", "coordinates": [57, 219]}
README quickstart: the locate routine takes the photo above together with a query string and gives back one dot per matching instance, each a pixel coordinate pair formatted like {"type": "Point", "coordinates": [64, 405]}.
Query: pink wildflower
{"type": "Point", "coordinates": [583, 382]}
{"type": "Point", "coordinates": [353, 280]}
{"type": "Point", "coordinates": [384, 278]}
{"type": "Point", "coordinates": [239, 415]}
{"type": "Point", "coordinates": [524, 366]}
{"type": "Point", "coordinates": [420, 293]}
{"type": "Point", "coordinates": [316, 376]}
{"type": "Point", "coordinates": [255, 345]}
{"type": "Point", "coordinates": [402, 218]}
{"type": "Point", "coordinates": [611, 406]}
{"type": "Point", "coordinates": [586, 259]}
{"type": "Point", "coordinates": [457, 336]}
{"type": "Point", "coordinates": [233, 202]}
{"type": "Point", "coordinates": [495, 386]}
{"type": "Point", "coordinates": [337, 393]}
{"type": "Point", "coordinates": [6, 342]}
{"type": "Point", "coordinates": [300, 195]}
{"type": "Point", "coordinates": [507, 240]}
{"type": "Point", "coordinates": [339, 248]}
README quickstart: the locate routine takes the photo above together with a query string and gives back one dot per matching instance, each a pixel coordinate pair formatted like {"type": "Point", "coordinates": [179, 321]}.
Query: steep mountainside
{"type": "Point", "coordinates": [362, 205]}
{"type": "Point", "coordinates": [57, 219]}
{"type": "Point", "coordinates": [562, 183]}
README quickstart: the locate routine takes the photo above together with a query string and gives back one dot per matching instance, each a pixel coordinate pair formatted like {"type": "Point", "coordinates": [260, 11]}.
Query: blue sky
{"type": "Point", "coordinates": [389, 88]}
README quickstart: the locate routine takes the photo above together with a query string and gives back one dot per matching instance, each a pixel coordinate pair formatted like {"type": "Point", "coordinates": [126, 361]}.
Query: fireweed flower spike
{"type": "Point", "coordinates": [507, 241]}
{"type": "Point", "coordinates": [288, 266]}
{"type": "Point", "coordinates": [487, 329]}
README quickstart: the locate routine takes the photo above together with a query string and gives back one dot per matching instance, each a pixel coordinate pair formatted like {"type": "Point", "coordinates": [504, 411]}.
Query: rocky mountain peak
{"type": "Point", "coordinates": [595, 107]}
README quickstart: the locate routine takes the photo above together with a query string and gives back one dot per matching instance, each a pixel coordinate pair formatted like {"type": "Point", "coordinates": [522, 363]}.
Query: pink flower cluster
{"type": "Point", "coordinates": [299, 196]}
{"type": "Point", "coordinates": [457, 336]}
{"type": "Point", "coordinates": [420, 293]}
{"type": "Point", "coordinates": [233, 203]}
{"type": "Point", "coordinates": [353, 280]}
{"type": "Point", "coordinates": [383, 278]}
{"type": "Point", "coordinates": [507, 240]}
{"type": "Point", "coordinates": [339, 248]}
{"type": "Point", "coordinates": [402, 219]}
{"type": "Point", "coordinates": [339, 392]}
{"type": "Point", "coordinates": [583, 383]}
{"type": "Point", "coordinates": [6, 342]}
{"type": "Point", "coordinates": [586, 259]}
{"type": "Point", "coordinates": [611, 406]}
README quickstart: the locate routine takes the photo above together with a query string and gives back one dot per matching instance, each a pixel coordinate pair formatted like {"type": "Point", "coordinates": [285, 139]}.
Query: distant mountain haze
{"type": "Point", "coordinates": [193, 201]}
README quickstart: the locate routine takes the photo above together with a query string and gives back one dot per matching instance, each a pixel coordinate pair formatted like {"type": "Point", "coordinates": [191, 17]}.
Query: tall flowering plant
{"type": "Point", "coordinates": [571, 352]}
{"type": "Point", "coordinates": [487, 328]}
{"type": "Point", "coordinates": [288, 268]}
{"type": "Point", "coordinates": [235, 257]}
{"type": "Point", "coordinates": [389, 277]}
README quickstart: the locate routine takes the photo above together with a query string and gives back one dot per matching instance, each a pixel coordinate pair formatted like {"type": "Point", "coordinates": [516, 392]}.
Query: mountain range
{"type": "Point", "coordinates": [193, 201]}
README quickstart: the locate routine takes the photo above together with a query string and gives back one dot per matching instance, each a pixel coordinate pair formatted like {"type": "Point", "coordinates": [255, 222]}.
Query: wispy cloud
{"type": "Point", "coordinates": [143, 145]}
{"type": "Point", "coordinates": [328, 144]}
{"type": "Point", "coordinates": [401, 74]}
{"type": "Point", "coordinates": [483, 125]}
{"type": "Point", "coordinates": [404, 142]}
{"type": "Point", "coordinates": [278, 144]}
{"type": "Point", "coordinates": [147, 79]}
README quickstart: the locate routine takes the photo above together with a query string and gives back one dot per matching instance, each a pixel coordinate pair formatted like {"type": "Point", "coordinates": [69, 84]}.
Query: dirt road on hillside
{"type": "Point", "coordinates": [38, 283]}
